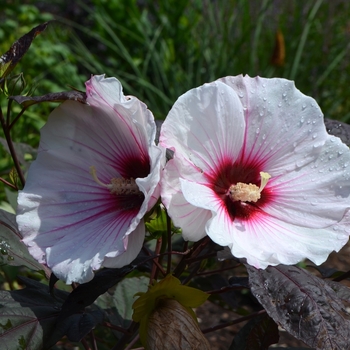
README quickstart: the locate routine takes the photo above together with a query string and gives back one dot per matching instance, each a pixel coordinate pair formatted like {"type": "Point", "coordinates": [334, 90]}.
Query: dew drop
{"type": "Point", "coordinates": [257, 131]}
{"type": "Point", "coordinates": [280, 104]}
{"type": "Point", "coordinates": [241, 94]}
{"type": "Point", "coordinates": [264, 98]}
{"type": "Point", "coordinates": [303, 107]}
{"type": "Point", "coordinates": [314, 136]}
{"type": "Point", "coordinates": [284, 94]}
{"type": "Point", "coordinates": [264, 137]}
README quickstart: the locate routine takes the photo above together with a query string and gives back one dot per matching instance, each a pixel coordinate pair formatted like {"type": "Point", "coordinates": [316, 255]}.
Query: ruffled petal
{"type": "Point", "coordinates": [269, 241]}
{"type": "Point", "coordinates": [194, 132]}
{"type": "Point", "coordinates": [281, 123]}
{"type": "Point", "coordinates": [131, 111]}
{"type": "Point", "coordinates": [317, 194]}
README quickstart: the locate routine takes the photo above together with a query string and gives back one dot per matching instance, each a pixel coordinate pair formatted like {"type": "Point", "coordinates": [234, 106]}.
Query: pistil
{"type": "Point", "coordinates": [117, 186]}
{"type": "Point", "coordinates": [248, 192]}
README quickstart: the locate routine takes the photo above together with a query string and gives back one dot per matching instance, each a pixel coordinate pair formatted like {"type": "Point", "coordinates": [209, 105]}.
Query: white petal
{"type": "Point", "coordinates": [318, 193]}
{"type": "Point", "coordinates": [205, 126]}
{"type": "Point", "coordinates": [68, 220]}
{"type": "Point", "coordinates": [133, 244]}
{"type": "Point", "coordinates": [191, 219]}
{"type": "Point", "coordinates": [281, 123]}
{"type": "Point", "coordinates": [129, 109]}
{"type": "Point", "coordinates": [267, 241]}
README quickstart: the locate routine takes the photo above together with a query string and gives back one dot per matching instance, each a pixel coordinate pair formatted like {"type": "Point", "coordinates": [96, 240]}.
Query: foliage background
{"type": "Point", "coordinates": [160, 49]}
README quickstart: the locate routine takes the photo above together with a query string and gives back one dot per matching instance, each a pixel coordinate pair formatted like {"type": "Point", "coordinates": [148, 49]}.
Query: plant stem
{"type": "Point", "coordinates": [11, 148]}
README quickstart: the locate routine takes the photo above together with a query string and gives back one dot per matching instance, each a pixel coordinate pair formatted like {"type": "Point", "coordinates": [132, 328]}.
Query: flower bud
{"type": "Point", "coordinates": [170, 326]}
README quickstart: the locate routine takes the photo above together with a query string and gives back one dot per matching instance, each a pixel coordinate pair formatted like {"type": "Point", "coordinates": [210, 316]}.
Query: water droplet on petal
{"type": "Point", "coordinates": [314, 136]}
{"type": "Point", "coordinates": [303, 107]}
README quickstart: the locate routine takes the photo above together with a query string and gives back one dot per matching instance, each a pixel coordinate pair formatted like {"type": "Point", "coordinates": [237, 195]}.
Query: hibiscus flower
{"type": "Point", "coordinates": [96, 175]}
{"type": "Point", "coordinates": [256, 171]}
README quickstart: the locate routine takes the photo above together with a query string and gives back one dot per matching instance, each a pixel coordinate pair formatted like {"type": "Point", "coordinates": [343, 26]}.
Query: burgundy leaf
{"type": "Point", "coordinates": [303, 304]}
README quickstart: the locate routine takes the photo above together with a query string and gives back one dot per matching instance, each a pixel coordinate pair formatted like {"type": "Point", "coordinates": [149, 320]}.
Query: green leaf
{"type": "Point", "coordinates": [21, 149]}
{"type": "Point", "coordinates": [117, 303]}
{"type": "Point", "coordinates": [28, 316]}
{"type": "Point", "coordinates": [12, 251]}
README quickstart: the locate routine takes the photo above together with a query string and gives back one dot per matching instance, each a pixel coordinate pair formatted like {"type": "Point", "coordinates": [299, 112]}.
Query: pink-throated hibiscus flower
{"type": "Point", "coordinates": [255, 170]}
{"type": "Point", "coordinates": [96, 175]}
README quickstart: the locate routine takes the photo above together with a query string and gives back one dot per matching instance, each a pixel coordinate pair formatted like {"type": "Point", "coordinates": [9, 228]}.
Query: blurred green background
{"type": "Point", "coordinates": [160, 49]}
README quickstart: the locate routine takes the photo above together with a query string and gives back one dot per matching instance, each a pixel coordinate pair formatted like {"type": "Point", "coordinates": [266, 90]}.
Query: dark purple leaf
{"type": "Point", "coordinates": [28, 316]}
{"type": "Point", "coordinates": [12, 251]}
{"type": "Point", "coordinates": [27, 101]}
{"type": "Point", "coordinates": [343, 292]}
{"type": "Point", "coordinates": [339, 129]}
{"type": "Point", "coordinates": [327, 272]}
{"type": "Point", "coordinates": [258, 334]}
{"type": "Point", "coordinates": [303, 304]}
{"type": "Point", "coordinates": [73, 320]}
{"type": "Point", "coordinates": [9, 59]}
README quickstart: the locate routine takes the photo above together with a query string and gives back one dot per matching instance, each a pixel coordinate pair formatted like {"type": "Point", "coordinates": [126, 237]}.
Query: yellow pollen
{"type": "Point", "coordinates": [117, 186]}
{"type": "Point", "coordinates": [248, 192]}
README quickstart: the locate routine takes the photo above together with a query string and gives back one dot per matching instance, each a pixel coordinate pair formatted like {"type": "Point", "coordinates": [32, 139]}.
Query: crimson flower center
{"type": "Point", "coordinates": [247, 192]}
{"type": "Point", "coordinates": [118, 186]}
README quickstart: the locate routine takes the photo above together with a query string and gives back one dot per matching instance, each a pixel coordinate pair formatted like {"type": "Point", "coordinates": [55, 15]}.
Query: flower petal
{"type": "Point", "coordinates": [190, 218]}
{"type": "Point", "coordinates": [317, 194]}
{"type": "Point", "coordinates": [67, 219]}
{"type": "Point", "coordinates": [193, 131]}
{"type": "Point", "coordinates": [281, 123]}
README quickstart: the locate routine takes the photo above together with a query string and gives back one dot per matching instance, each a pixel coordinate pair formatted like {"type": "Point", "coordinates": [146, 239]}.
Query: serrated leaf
{"type": "Point", "coordinates": [258, 334]}
{"type": "Point", "coordinates": [12, 251]}
{"type": "Point", "coordinates": [303, 304]}
{"type": "Point", "coordinates": [9, 59]}
{"type": "Point", "coordinates": [118, 303]}
{"type": "Point", "coordinates": [28, 316]}
{"type": "Point", "coordinates": [27, 101]}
